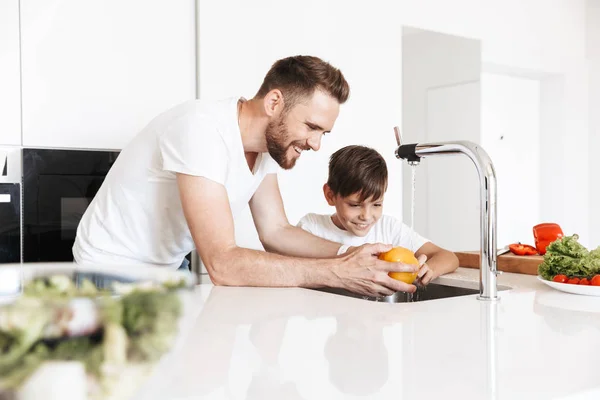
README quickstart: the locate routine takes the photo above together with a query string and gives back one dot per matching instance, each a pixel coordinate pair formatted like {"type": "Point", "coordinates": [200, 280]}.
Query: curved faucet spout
{"type": "Point", "coordinates": [488, 194]}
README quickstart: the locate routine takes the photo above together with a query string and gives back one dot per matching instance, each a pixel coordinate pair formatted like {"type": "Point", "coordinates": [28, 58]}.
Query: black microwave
{"type": "Point", "coordinates": [57, 186]}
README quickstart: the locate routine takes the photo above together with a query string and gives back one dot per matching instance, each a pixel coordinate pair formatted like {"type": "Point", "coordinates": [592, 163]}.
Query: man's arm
{"type": "Point", "coordinates": [440, 261]}
{"type": "Point", "coordinates": [274, 230]}
{"type": "Point", "coordinates": [206, 208]}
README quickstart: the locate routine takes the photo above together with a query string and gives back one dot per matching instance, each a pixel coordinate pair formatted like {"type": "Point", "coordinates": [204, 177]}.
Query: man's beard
{"type": "Point", "coordinates": [277, 137]}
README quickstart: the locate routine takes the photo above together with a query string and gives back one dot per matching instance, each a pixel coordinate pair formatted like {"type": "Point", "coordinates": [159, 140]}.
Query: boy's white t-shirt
{"type": "Point", "coordinates": [136, 217]}
{"type": "Point", "coordinates": [388, 230]}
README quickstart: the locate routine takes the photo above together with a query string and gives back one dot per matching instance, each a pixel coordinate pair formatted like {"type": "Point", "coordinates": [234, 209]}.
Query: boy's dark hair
{"type": "Point", "coordinates": [298, 77]}
{"type": "Point", "coordinates": [358, 169]}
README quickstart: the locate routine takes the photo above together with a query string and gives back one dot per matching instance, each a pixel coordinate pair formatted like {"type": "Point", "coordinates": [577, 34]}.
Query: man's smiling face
{"type": "Point", "coordinates": [301, 128]}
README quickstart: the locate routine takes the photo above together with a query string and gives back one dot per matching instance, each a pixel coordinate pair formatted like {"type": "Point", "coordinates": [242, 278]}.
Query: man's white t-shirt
{"type": "Point", "coordinates": [388, 230]}
{"type": "Point", "coordinates": [136, 217]}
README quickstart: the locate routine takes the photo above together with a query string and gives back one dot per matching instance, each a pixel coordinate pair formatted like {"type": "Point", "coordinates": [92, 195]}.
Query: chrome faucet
{"type": "Point", "coordinates": [413, 153]}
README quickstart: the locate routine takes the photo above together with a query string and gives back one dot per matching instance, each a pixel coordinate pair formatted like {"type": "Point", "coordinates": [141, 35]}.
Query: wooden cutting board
{"type": "Point", "coordinates": [506, 262]}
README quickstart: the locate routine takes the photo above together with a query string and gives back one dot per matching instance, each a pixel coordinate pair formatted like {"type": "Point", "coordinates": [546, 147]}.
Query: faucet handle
{"type": "Point", "coordinates": [398, 135]}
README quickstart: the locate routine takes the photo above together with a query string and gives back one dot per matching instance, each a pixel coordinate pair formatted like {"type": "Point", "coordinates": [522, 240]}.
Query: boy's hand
{"type": "Point", "coordinates": [360, 271]}
{"type": "Point", "coordinates": [425, 274]}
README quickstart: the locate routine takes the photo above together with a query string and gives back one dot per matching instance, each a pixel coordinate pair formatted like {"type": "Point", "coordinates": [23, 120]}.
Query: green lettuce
{"type": "Point", "coordinates": [61, 286]}
{"type": "Point", "coordinates": [138, 326]}
{"type": "Point", "coordinates": [21, 325]}
{"type": "Point", "coordinates": [592, 261]}
{"type": "Point", "coordinates": [150, 320]}
{"type": "Point", "coordinates": [569, 257]}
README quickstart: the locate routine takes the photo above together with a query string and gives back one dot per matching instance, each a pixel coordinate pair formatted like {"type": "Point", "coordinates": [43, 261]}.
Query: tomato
{"type": "Point", "coordinates": [595, 280]}
{"type": "Point", "coordinates": [573, 281]}
{"type": "Point", "coordinates": [584, 281]}
{"type": "Point", "coordinates": [560, 279]}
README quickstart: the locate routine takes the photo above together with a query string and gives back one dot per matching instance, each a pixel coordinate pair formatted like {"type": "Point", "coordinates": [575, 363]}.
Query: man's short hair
{"type": "Point", "coordinates": [299, 77]}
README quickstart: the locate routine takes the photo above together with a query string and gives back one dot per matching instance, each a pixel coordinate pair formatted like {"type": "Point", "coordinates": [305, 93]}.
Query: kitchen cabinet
{"type": "Point", "coordinates": [95, 72]}
{"type": "Point", "coordinates": [10, 92]}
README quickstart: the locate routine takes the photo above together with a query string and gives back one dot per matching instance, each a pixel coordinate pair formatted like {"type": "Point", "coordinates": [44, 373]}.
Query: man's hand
{"type": "Point", "coordinates": [362, 272]}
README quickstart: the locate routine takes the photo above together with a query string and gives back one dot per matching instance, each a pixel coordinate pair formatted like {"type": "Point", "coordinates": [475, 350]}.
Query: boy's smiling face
{"type": "Point", "coordinates": [352, 214]}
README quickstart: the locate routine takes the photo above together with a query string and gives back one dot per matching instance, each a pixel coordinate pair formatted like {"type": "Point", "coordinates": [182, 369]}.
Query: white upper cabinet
{"type": "Point", "coordinates": [97, 71]}
{"type": "Point", "coordinates": [10, 95]}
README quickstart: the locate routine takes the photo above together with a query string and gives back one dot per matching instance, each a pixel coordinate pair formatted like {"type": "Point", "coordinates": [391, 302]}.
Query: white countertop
{"type": "Point", "coordinates": [288, 344]}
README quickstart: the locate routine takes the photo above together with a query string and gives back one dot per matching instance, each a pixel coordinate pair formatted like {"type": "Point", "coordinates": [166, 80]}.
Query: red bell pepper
{"type": "Point", "coordinates": [522, 249]}
{"type": "Point", "coordinates": [545, 234]}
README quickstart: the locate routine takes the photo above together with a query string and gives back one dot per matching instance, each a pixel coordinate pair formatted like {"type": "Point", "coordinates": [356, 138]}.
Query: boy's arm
{"type": "Point", "coordinates": [274, 230]}
{"type": "Point", "coordinates": [439, 260]}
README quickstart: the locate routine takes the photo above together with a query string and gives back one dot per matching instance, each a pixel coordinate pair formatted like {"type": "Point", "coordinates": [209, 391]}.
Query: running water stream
{"type": "Point", "coordinates": [413, 166]}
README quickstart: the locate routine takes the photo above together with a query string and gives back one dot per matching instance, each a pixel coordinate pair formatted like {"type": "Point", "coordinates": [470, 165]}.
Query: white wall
{"type": "Point", "coordinates": [594, 149]}
{"type": "Point", "coordinates": [239, 40]}
{"type": "Point", "coordinates": [452, 185]}
{"type": "Point", "coordinates": [510, 127]}
{"type": "Point", "coordinates": [532, 34]}
{"type": "Point", "coordinates": [10, 91]}
{"type": "Point", "coordinates": [552, 126]}
{"type": "Point", "coordinates": [574, 209]}
{"type": "Point", "coordinates": [593, 53]}
{"type": "Point", "coordinates": [96, 72]}
{"type": "Point", "coordinates": [441, 102]}
{"type": "Point", "coordinates": [257, 33]}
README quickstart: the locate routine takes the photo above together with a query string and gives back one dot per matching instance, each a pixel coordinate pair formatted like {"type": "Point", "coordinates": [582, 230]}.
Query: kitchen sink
{"type": "Point", "coordinates": [432, 291]}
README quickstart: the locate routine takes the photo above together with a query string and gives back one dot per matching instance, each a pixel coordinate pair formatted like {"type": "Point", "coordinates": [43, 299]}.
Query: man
{"type": "Point", "coordinates": [181, 182]}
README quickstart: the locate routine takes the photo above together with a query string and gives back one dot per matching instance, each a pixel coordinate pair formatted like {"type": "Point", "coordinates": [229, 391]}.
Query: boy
{"type": "Point", "coordinates": [356, 186]}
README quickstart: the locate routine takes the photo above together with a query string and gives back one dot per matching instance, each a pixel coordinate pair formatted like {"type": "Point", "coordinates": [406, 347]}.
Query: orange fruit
{"type": "Point", "coordinates": [403, 255]}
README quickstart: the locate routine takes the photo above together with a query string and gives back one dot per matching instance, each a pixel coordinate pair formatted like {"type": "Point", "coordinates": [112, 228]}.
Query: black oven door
{"type": "Point", "coordinates": [58, 187]}
{"type": "Point", "coordinates": [10, 223]}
